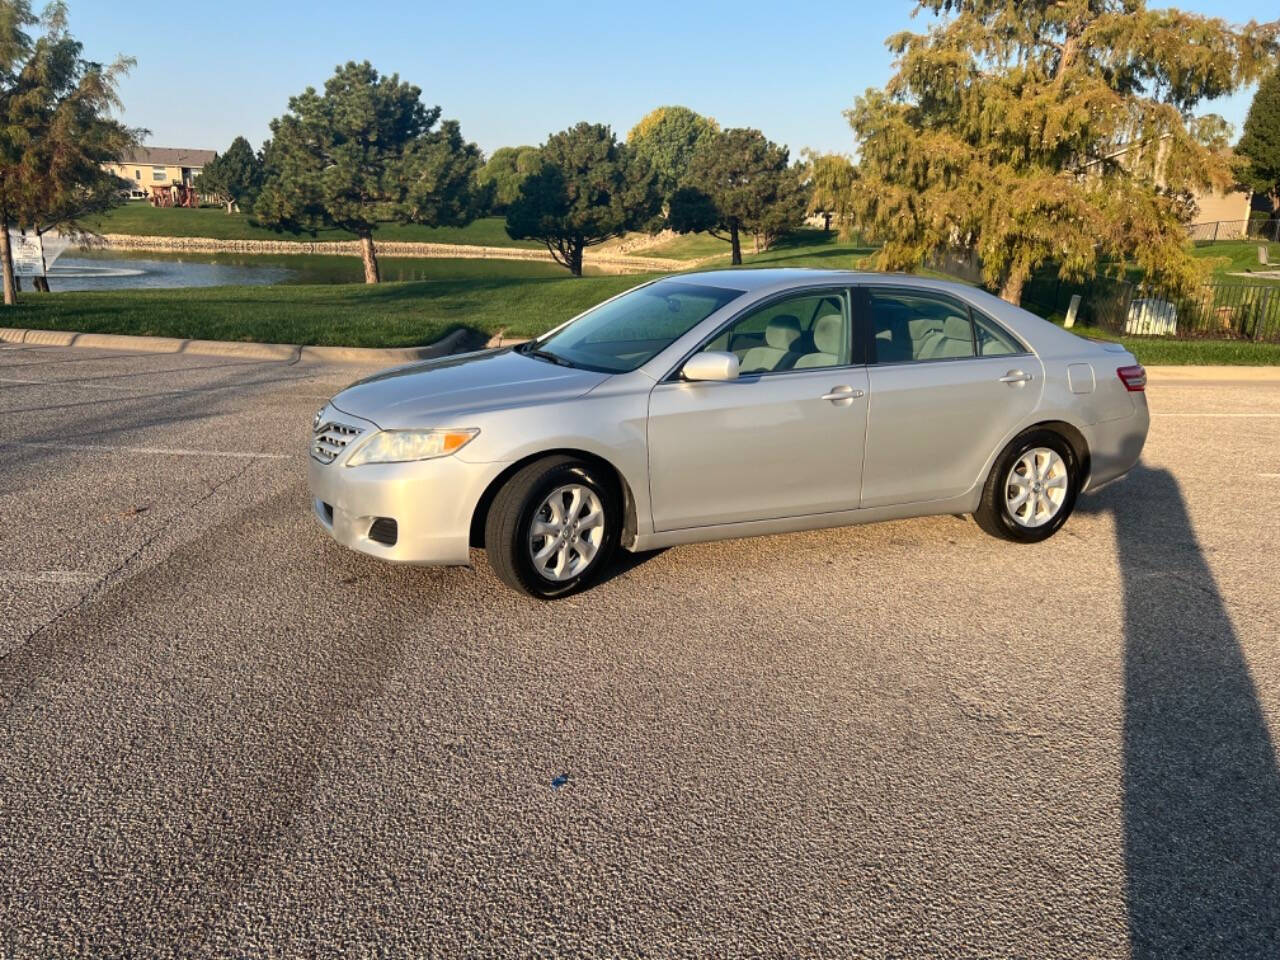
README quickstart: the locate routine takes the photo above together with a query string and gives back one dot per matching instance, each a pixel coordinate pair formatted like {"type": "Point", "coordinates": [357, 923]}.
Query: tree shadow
{"type": "Point", "coordinates": [1201, 783]}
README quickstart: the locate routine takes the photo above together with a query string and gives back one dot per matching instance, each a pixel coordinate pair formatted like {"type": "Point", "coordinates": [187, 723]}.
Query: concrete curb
{"type": "Point", "coordinates": [458, 341]}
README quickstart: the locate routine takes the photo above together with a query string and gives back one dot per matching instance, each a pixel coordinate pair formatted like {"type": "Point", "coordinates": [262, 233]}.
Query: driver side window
{"type": "Point", "coordinates": [795, 333]}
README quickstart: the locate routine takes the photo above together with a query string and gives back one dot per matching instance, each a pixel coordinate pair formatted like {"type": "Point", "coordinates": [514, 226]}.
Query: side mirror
{"type": "Point", "coordinates": [711, 365]}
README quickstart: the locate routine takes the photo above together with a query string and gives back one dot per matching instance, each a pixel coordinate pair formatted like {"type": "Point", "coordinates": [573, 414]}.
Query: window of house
{"type": "Point", "coordinates": [137, 174]}
{"type": "Point", "coordinates": [157, 173]}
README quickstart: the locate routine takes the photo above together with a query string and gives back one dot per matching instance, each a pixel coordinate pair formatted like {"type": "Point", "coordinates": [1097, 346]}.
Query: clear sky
{"type": "Point", "coordinates": [512, 73]}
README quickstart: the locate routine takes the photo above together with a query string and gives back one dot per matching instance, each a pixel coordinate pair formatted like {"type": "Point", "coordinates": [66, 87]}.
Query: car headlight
{"type": "Point", "coordinates": [400, 446]}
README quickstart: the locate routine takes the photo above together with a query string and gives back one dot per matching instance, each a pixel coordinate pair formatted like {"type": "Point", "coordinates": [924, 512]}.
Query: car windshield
{"type": "Point", "coordinates": [630, 330]}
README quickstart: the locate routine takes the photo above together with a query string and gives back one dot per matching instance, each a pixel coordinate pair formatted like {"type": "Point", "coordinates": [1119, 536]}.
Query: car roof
{"type": "Point", "coordinates": [1046, 338]}
{"type": "Point", "coordinates": [761, 279]}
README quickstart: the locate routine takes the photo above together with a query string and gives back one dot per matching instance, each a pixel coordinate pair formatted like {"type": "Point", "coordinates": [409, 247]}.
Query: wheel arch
{"type": "Point", "coordinates": [481, 512]}
{"type": "Point", "coordinates": [1073, 436]}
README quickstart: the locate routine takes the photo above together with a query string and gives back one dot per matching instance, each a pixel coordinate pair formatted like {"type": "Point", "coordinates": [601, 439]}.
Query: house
{"type": "Point", "coordinates": [1225, 212]}
{"type": "Point", "coordinates": [148, 167]}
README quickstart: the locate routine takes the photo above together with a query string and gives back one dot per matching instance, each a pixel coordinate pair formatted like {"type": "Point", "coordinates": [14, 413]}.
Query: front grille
{"type": "Point", "coordinates": [331, 439]}
{"type": "Point", "coordinates": [384, 530]}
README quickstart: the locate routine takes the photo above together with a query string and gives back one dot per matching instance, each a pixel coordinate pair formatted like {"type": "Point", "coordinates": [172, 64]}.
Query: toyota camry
{"type": "Point", "coordinates": [723, 404]}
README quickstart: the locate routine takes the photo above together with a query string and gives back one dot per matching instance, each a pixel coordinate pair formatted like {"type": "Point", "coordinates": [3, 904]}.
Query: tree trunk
{"type": "Point", "coordinates": [6, 255]}
{"type": "Point", "coordinates": [575, 260]}
{"type": "Point", "coordinates": [41, 284]}
{"type": "Point", "coordinates": [370, 258]}
{"type": "Point", "coordinates": [826, 223]}
{"type": "Point", "coordinates": [1011, 289]}
{"type": "Point", "coordinates": [231, 207]}
{"type": "Point", "coordinates": [735, 245]}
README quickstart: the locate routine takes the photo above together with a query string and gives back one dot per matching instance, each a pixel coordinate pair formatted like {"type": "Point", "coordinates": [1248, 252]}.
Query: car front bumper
{"type": "Point", "coordinates": [431, 502]}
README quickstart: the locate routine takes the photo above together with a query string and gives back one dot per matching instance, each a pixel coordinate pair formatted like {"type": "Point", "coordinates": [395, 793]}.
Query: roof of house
{"type": "Point", "coordinates": [169, 156]}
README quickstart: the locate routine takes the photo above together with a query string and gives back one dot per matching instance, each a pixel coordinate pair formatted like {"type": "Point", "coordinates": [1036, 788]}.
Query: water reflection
{"type": "Point", "coordinates": [115, 270]}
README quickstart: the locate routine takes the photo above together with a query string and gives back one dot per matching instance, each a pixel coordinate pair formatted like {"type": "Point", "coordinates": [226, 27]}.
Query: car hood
{"type": "Point", "coordinates": [435, 393]}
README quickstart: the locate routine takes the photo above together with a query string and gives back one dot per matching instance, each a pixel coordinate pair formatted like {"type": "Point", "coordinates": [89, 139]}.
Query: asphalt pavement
{"type": "Point", "coordinates": [222, 735]}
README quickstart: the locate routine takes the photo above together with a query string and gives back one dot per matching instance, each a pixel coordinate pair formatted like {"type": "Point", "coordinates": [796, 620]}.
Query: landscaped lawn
{"type": "Point", "coordinates": [142, 219]}
{"type": "Point", "coordinates": [486, 295]}
{"type": "Point", "coordinates": [1157, 351]}
{"type": "Point", "coordinates": [386, 315]}
{"type": "Point", "coordinates": [1239, 256]}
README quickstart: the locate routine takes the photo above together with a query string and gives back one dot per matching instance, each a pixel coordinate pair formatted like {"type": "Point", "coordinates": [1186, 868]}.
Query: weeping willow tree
{"type": "Point", "coordinates": [1049, 132]}
{"type": "Point", "coordinates": [830, 179]}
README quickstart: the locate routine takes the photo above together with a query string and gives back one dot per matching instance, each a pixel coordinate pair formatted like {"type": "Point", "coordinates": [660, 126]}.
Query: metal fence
{"type": "Point", "coordinates": [1217, 231]}
{"type": "Point", "coordinates": [1223, 311]}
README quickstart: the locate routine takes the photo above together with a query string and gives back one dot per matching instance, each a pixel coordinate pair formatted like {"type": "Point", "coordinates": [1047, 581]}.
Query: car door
{"type": "Point", "coordinates": [947, 386]}
{"type": "Point", "coordinates": [785, 439]}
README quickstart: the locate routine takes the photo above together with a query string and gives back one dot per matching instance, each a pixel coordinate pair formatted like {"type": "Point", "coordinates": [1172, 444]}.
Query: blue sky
{"type": "Point", "coordinates": [512, 73]}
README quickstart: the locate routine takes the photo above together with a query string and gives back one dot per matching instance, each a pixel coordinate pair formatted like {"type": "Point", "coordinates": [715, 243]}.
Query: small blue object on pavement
{"type": "Point", "coordinates": [559, 781]}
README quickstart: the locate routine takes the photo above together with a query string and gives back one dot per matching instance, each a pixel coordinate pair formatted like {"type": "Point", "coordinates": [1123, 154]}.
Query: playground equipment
{"type": "Point", "coordinates": [173, 195]}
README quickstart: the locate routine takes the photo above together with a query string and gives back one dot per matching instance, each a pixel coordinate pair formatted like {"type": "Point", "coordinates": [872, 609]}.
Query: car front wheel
{"type": "Point", "coordinates": [1032, 488]}
{"type": "Point", "coordinates": [552, 527]}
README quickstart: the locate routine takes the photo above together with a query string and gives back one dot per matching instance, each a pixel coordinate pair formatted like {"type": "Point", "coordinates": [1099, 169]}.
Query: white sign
{"type": "Point", "coordinates": [28, 255]}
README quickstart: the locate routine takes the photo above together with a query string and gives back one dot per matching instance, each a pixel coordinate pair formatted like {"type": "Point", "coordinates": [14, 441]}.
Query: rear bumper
{"type": "Point", "coordinates": [431, 501]}
{"type": "Point", "coordinates": [1115, 446]}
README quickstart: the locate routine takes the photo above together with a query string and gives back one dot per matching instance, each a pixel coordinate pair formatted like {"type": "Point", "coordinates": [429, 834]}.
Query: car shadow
{"type": "Point", "coordinates": [1201, 784]}
{"type": "Point", "coordinates": [624, 561]}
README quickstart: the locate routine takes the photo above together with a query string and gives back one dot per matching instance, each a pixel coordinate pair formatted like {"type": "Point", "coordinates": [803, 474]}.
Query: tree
{"type": "Point", "coordinates": [1259, 147]}
{"type": "Point", "coordinates": [738, 180]}
{"type": "Point", "coordinates": [364, 152]}
{"type": "Point", "coordinates": [1047, 131]}
{"type": "Point", "coordinates": [667, 137]}
{"type": "Point", "coordinates": [588, 189]}
{"type": "Point", "coordinates": [505, 171]}
{"type": "Point", "coordinates": [56, 129]}
{"type": "Point", "coordinates": [831, 177]}
{"type": "Point", "coordinates": [234, 177]}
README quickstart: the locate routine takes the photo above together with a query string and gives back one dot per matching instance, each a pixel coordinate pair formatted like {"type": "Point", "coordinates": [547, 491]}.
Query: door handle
{"type": "Point", "coordinates": [1017, 377]}
{"type": "Point", "coordinates": [842, 393]}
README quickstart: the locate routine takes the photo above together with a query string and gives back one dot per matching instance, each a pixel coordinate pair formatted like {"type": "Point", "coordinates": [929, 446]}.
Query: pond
{"type": "Point", "coordinates": [118, 269]}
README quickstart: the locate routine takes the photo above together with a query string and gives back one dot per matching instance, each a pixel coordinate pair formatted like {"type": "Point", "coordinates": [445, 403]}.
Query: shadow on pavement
{"type": "Point", "coordinates": [1201, 784]}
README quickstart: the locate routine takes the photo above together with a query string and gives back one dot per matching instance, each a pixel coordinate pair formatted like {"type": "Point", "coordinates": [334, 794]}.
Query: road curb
{"type": "Point", "coordinates": [457, 341]}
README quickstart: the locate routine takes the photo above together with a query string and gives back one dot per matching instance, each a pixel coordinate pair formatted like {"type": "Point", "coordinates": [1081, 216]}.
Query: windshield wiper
{"type": "Point", "coordinates": [548, 355]}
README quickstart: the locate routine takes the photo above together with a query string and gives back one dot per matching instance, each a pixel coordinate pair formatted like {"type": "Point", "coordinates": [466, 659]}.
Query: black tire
{"type": "Point", "coordinates": [506, 528]}
{"type": "Point", "coordinates": [993, 514]}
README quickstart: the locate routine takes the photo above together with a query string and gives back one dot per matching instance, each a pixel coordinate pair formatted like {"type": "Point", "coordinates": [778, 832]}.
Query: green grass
{"type": "Point", "coordinates": [1171, 351]}
{"type": "Point", "coordinates": [1239, 257]}
{"type": "Point", "coordinates": [386, 315]}
{"type": "Point", "coordinates": [142, 219]}
{"type": "Point", "coordinates": [437, 296]}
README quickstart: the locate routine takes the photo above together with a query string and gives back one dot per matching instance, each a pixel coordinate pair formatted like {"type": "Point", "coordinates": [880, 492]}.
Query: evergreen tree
{"type": "Point", "coordinates": [1259, 147]}
{"type": "Point", "coordinates": [234, 177]}
{"type": "Point", "coordinates": [739, 181]}
{"type": "Point", "coordinates": [364, 152]}
{"type": "Point", "coordinates": [588, 189]}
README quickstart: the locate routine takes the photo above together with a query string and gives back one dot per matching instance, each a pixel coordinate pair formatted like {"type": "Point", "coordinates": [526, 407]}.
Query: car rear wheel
{"type": "Point", "coordinates": [1032, 488]}
{"type": "Point", "coordinates": [552, 527]}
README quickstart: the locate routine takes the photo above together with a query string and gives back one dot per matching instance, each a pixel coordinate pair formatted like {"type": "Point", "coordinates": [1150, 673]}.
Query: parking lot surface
{"type": "Point", "coordinates": [223, 735]}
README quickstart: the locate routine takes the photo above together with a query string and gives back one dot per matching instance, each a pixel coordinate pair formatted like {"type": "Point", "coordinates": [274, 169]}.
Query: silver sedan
{"type": "Point", "coordinates": [727, 404]}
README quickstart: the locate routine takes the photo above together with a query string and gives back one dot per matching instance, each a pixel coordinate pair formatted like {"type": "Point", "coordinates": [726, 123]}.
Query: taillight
{"type": "Point", "coordinates": [1134, 378]}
